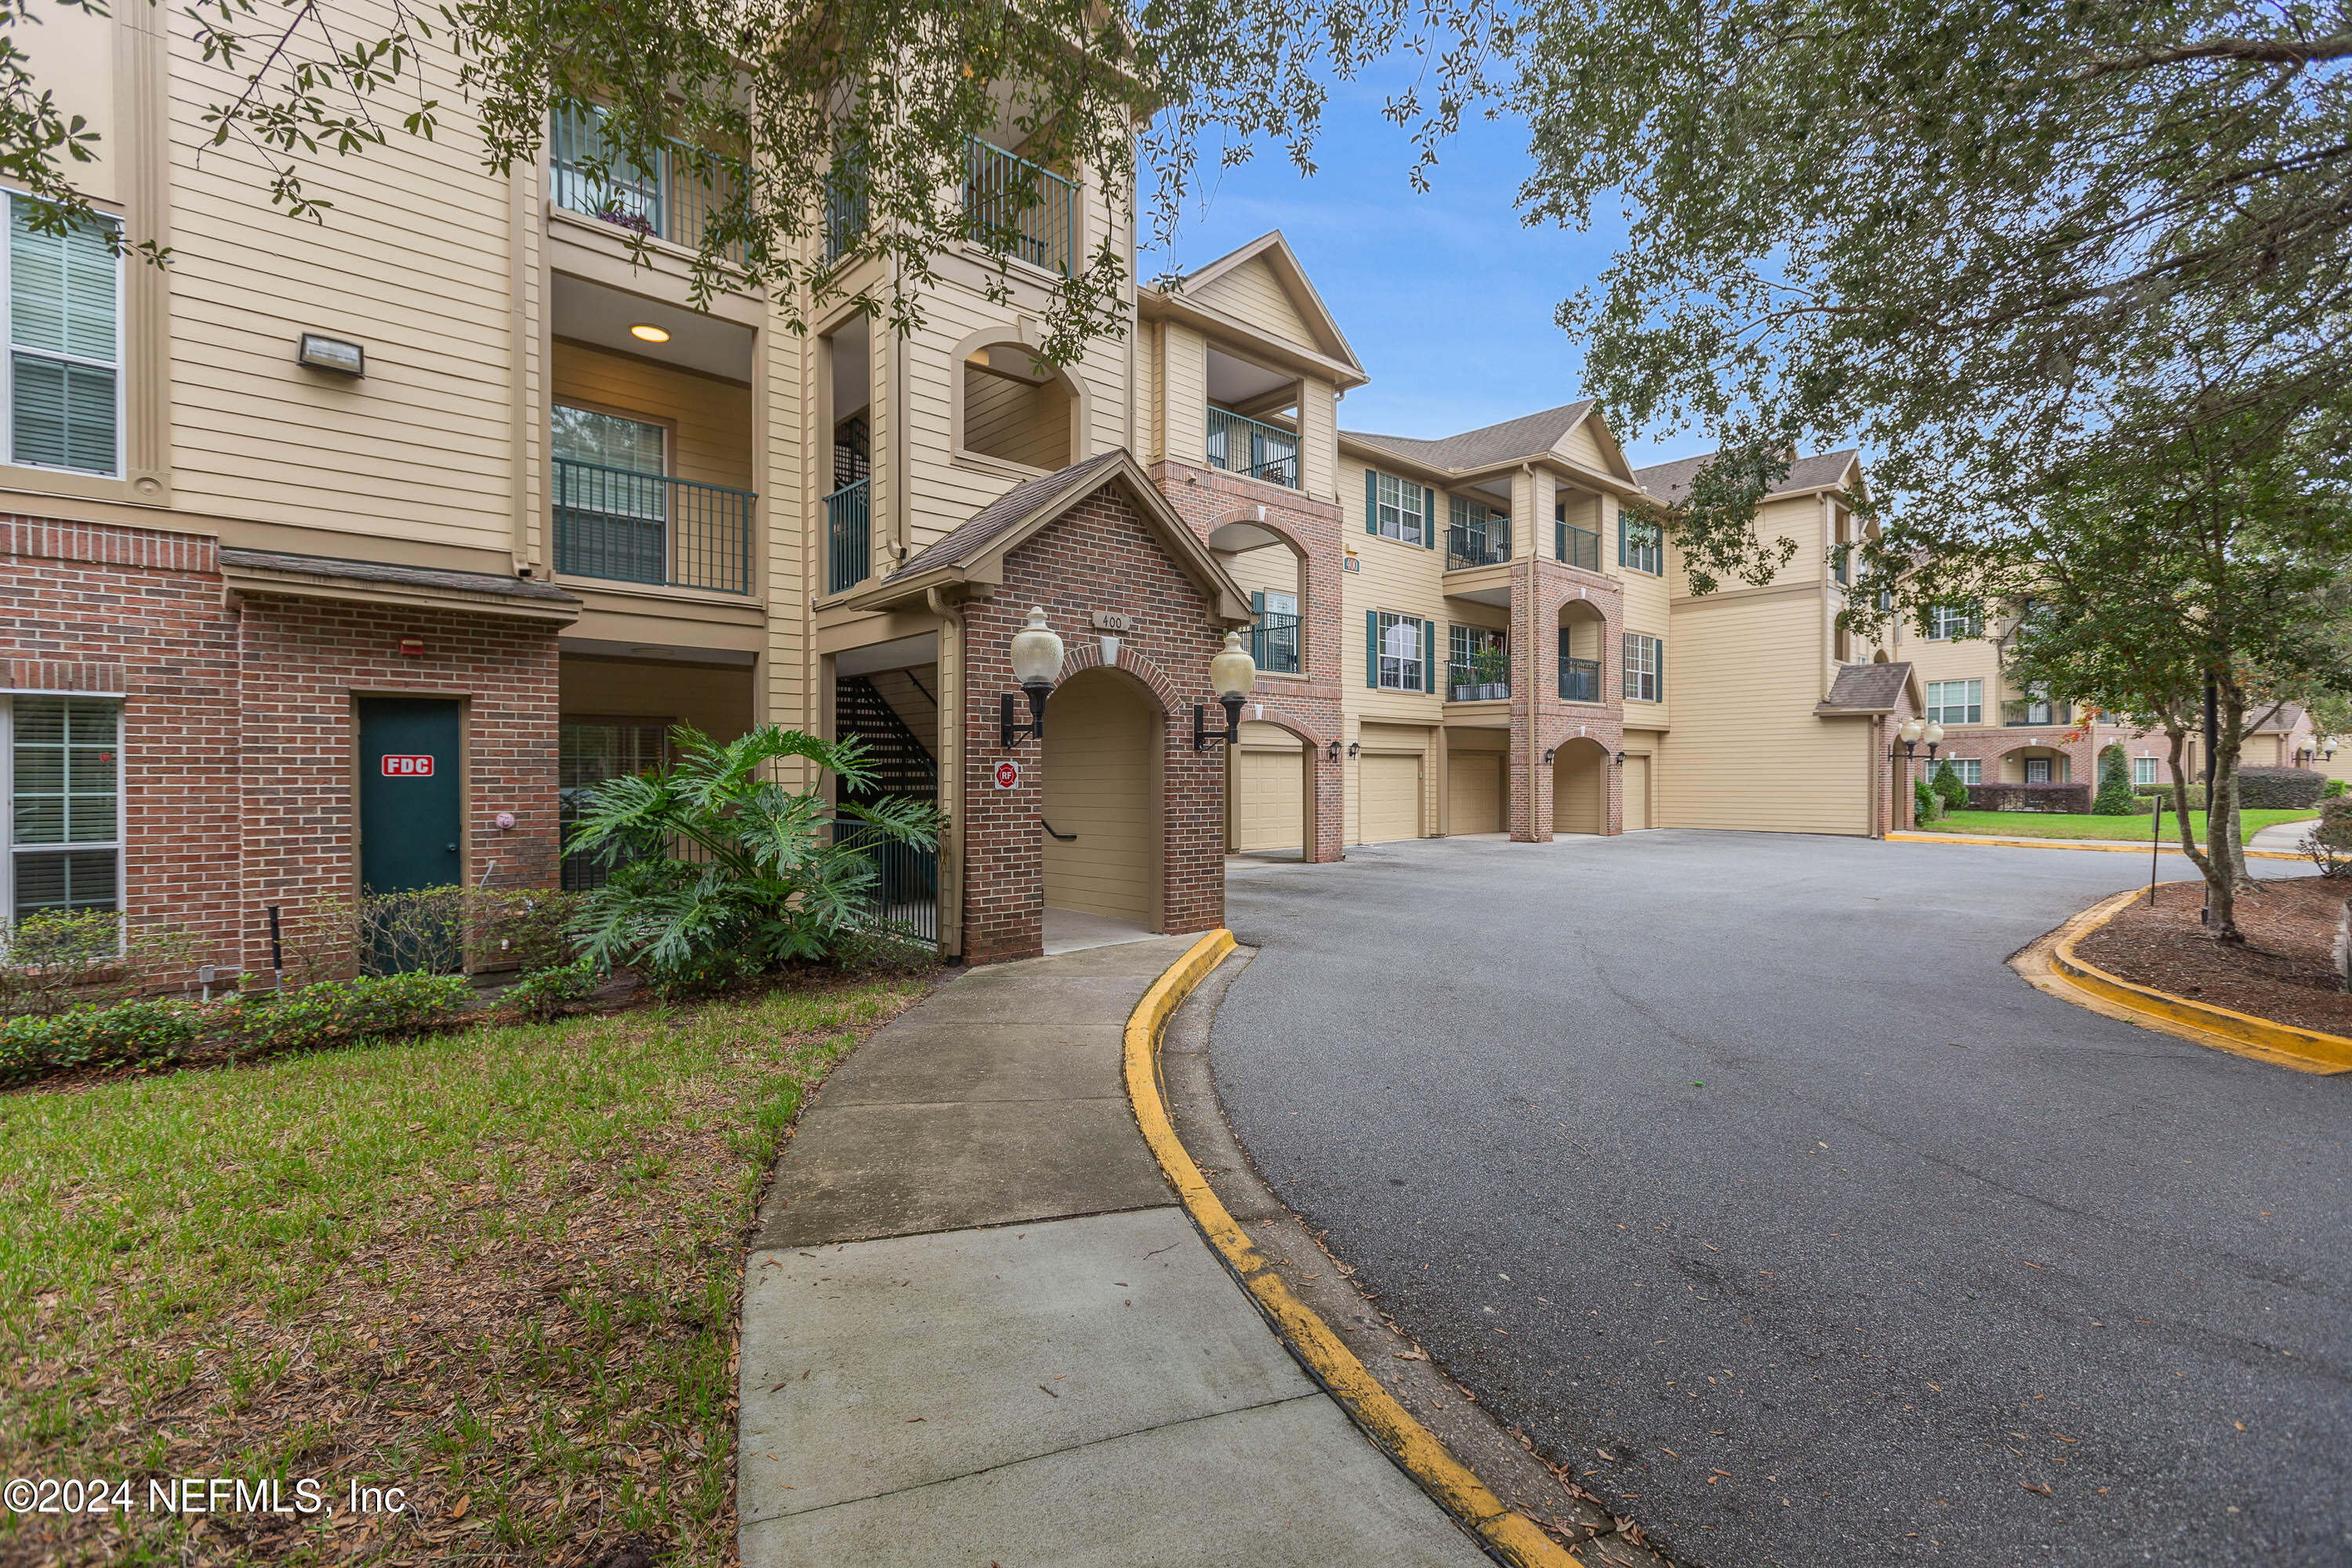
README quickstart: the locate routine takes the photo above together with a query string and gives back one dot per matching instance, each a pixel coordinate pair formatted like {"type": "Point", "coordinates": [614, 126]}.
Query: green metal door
{"type": "Point", "coordinates": [410, 822]}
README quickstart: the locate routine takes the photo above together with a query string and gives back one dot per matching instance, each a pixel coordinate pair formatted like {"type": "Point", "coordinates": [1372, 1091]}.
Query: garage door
{"type": "Point", "coordinates": [1637, 793]}
{"type": "Point", "coordinates": [1474, 793]}
{"type": "Point", "coordinates": [1390, 798]}
{"type": "Point", "coordinates": [1269, 800]}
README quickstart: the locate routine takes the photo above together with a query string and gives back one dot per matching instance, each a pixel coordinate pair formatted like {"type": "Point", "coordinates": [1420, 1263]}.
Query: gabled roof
{"type": "Point", "coordinates": [974, 551]}
{"type": "Point", "coordinates": [1530, 438]}
{"type": "Point", "coordinates": [1866, 689]}
{"type": "Point", "coordinates": [1183, 293]}
{"type": "Point", "coordinates": [2288, 719]}
{"type": "Point", "coordinates": [1671, 482]}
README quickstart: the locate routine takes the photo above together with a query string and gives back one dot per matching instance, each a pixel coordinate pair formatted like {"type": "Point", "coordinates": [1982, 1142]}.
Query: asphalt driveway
{"type": "Point", "coordinates": [1739, 1169]}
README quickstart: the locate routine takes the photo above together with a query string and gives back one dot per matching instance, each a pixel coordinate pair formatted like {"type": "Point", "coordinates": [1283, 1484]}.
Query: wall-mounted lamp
{"type": "Point", "coordinates": [1232, 673]}
{"type": "Point", "coordinates": [1619, 759]}
{"type": "Point", "coordinates": [1549, 752]}
{"type": "Point", "coordinates": [1037, 660]}
{"type": "Point", "coordinates": [1354, 750]}
{"type": "Point", "coordinates": [340, 355]}
{"type": "Point", "coordinates": [1334, 754]}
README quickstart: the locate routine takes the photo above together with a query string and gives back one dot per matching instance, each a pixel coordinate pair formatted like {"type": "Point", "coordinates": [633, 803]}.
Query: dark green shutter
{"type": "Point", "coordinates": [1621, 538]}
{"type": "Point", "coordinates": [1372, 647]}
{"type": "Point", "coordinates": [1371, 502]}
{"type": "Point", "coordinates": [1428, 518]}
{"type": "Point", "coordinates": [1428, 656]}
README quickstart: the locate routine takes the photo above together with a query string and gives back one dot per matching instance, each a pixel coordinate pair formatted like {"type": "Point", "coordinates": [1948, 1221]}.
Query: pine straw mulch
{"type": "Point", "coordinates": [2285, 972]}
{"type": "Point", "coordinates": [499, 1270]}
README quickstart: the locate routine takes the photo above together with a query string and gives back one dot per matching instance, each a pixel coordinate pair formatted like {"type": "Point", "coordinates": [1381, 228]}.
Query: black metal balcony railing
{"type": "Point", "coordinates": [1577, 546]}
{"type": "Point", "coordinates": [1021, 209]}
{"type": "Point", "coordinates": [1468, 683]}
{"type": "Point", "coordinates": [676, 200]}
{"type": "Point", "coordinates": [650, 528]}
{"type": "Point", "coordinates": [1466, 547]}
{"type": "Point", "coordinates": [2042, 713]}
{"type": "Point", "coordinates": [848, 537]}
{"type": "Point", "coordinates": [1579, 680]}
{"type": "Point", "coordinates": [1240, 444]}
{"type": "Point", "coordinates": [1274, 643]}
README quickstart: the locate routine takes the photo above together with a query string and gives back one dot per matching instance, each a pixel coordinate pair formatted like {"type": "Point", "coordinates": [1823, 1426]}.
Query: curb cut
{"type": "Point", "coordinates": [1515, 1540]}
{"type": "Point", "coordinates": [2052, 964]}
{"type": "Point", "coordinates": [2119, 846]}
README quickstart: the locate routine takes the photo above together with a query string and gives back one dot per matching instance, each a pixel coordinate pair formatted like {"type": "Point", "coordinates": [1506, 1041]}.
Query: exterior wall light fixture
{"type": "Point", "coordinates": [1549, 752]}
{"type": "Point", "coordinates": [1354, 750]}
{"type": "Point", "coordinates": [1334, 754]}
{"type": "Point", "coordinates": [1232, 673]}
{"type": "Point", "coordinates": [342, 357]}
{"type": "Point", "coordinates": [1037, 660]}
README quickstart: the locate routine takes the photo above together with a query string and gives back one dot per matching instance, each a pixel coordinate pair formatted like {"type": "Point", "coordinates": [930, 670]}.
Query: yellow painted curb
{"type": "Point", "coordinates": [1515, 1539]}
{"type": "Point", "coordinates": [2118, 847]}
{"type": "Point", "coordinates": [2068, 975]}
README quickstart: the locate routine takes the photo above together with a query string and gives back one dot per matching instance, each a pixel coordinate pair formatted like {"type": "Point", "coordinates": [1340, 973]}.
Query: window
{"type": "Point", "coordinates": [63, 366]}
{"type": "Point", "coordinates": [1970, 770]}
{"type": "Point", "coordinates": [1956, 702]}
{"type": "Point", "coordinates": [2144, 770]}
{"type": "Point", "coordinates": [632, 446]}
{"type": "Point", "coordinates": [2037, 770]}
{"type": "Point", "coordinates": [1645, 666]}
{"type": "Point", "coordinates": [65, 845]}
{"type": "Point", "coordinates": [1398, 642]}
{"type": "Point", "coordinates": [1640, 548]}
{"type": "Point", "coordinates": [1947, 621]}
{"type": "Point", "coordinates": [1398, 509]}
{"type": "Point", "coordinates": [1477, 664]}
{"type": "Point", "coordinates": [589, 752]}
{"type": "Point", "coordinates": [612, 503]}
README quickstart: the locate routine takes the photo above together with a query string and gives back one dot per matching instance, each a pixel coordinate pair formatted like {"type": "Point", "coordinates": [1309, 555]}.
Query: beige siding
{"type": "Point", "coordinates": [71, 54]}
{"type": "Point", "coordinates": [716, 701]}
{"type": "Point", "coordinates": [1319, 442]}
{"type": "Point", "coordinates": [1398, 578]}
{"type": "Point", "coordinates": [1648, 609]}
{"type": "Point", "coordinates": [1184, 394]}
{"type": "Point", "coordinates": [1099, 749]}
{"type": "Point", "coordinates": [1251, 293]}
{"type": "Point", "coordinates": [1150, 440]}
{"type": "Point", "coordinates": [1019, 421]}
{"type": "Point", "coordinates": [710, 420]}
{"type": "Point", "coordinates": [1270, 568]}
{"type": "Point", "coordinates": [1744, 688]}
{"type": "Point", "coordinates": [1581, 448]}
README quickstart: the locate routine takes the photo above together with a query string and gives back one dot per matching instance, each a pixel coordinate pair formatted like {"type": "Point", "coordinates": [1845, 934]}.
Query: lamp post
{"type": "Point", "coordinates": [1232, 673]}
{"type": "Point", "coordinates": [1037, 660]}
{"type": "Point", "coordinates": [1911, 732]}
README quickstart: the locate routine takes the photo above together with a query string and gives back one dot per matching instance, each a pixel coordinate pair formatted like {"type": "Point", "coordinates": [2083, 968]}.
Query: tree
{"type": "Point", "coordinates": [2115, 796]}
{"type": "Point", "coordinates": [1948, 787]}
{"type": "Point", "coordinates": [845, 124]}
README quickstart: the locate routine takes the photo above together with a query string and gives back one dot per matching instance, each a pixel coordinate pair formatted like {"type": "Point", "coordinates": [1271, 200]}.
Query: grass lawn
{"type": "Point", "coordinates": [498, 1269]}
{"type": "Point", "coordinates": [2062, 824]}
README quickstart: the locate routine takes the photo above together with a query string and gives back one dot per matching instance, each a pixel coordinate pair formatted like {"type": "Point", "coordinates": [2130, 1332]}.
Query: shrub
{"type": "Point", "coordinates": [528, 929]}
{"type": "Point", "coordinates": [546, 995]}
{"type": "Point", "coordinates": [1924, 800]}
{"type": "Point", "coordinates": [338, 1012]}
{"type": "Point", "coordinates": [771, 883]}
{"type": "Point", "coordinates": [2196, 796]}
{"type": "Point", "coordinates": [2115, 796]}
{"type": "Point", "coordinates": [2070, 797]}
{"type": "Point", "coordinates": [130, 1034]}
{"type": "Point", "coordinates": [2296, 788]}
{"type": "Point", "coordinates": [53, 961]}
{"type": "Point", "coordinates": [2335, 789]}
{"type": "Point", "coordinates": [1948, 787]}
{"type": "Point", "coordinates": [2329, 842]}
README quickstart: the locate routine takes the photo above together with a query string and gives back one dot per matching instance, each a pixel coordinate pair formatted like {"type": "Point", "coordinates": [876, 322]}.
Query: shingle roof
{"type": "Point", "coordinates": [1006, 511]}
{"type": "Point", "coordinates": [385, 571]}
{"type": "Point", "coordinates": [2289, 715]}
{"type": "Point", "coordinates": [1529, 435]}
{"type": "Point", "coordinates": [1671, 482]}
{"type": "Point", "coordinates": [1865, 689]}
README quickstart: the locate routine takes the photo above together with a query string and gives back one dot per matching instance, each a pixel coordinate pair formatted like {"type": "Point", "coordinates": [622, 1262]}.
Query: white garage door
{"type": "Point", "coordinates": [1474, 793]}
{"type": "Point", "coordinates": [1390, 804]}
{"type": "Point", "coordinates": [1637, 793]}
{"type": "Point", "coordinates": [1269, 799]}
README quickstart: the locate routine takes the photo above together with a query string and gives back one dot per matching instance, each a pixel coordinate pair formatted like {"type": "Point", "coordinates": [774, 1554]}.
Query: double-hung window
{"type": "Point", "coordinates": [64, 365]}
{"type": "Point", "coordinates": [1946, 621]}
{"type": "Point", "coordinates": [1956, 702]}
{"type": "Point", "coordinates": [1402, 645]}
{"type": "Point", "coordinates": [65, 816]}
{"type": "Point", "coordinates": [1640, 546]}
{"type": "Point", "coordinates": [1400, 509]}
{"type": "Point", "coordinates": [2145, 769]}
{"type": "Point", "coordinates": [1967, 770]}
{"type": "Point", "coordinates": [1644, 665]}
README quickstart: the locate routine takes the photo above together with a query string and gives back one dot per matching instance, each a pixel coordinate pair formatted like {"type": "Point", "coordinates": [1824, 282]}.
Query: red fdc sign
{"type": "Point", "coordinates": [404, 767]}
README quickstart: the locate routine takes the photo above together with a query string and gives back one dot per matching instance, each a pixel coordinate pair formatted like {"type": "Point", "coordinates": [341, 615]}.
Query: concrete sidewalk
{"type": "Point", "coordinates": [977, 1328]}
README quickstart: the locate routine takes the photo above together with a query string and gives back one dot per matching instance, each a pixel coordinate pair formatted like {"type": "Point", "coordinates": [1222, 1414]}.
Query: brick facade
{"type": "Point", "coordinates": [1540, 722]}
{"type": "Point", "coordinates": [1099, 555]}
{"type": "Point", "coordinates": [1306, 704]}
{"type": "Point", "coordinates": [238, 735]}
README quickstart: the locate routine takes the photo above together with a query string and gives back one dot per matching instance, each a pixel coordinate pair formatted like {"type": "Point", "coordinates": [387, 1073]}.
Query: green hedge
{"type": "Point", "coordinates": [130, 1034]}
{"type": "Point", "coordinates": [2294, 788]}
{"type": "Point", "coordinates": [337, 1012]}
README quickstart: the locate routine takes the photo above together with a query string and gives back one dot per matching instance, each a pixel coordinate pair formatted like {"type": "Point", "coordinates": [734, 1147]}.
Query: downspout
{"type": "Point", "coordinates": [954, 702]}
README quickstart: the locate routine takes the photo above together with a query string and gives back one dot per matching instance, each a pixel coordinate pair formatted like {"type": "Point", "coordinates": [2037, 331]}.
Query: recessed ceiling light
{"type": "Point", "coordinates": [647, 333]}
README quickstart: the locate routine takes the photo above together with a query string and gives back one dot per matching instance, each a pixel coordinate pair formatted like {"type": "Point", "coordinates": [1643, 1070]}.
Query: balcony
{"type": "Point", "coordinates": [1240, 444]}
{"type": "Point", "coordinates": [1469, 683]}
{"type": "Point", "coordinates": [1466, 546]}
{"type": "Point", "coordinates": [1274, 643]}
{"type": "Point", "coordinates": [1019, 208]}
{"type": "Point", "coordinates": [2036, 713]}
{"type": "Point", "coordinates": [630, 526]}
{"type": "Point", "coordinates": [1577, 547]}
{"type": "Point", "coordinates": [848, 537]}
{"type": "Point", "coordinates": [1579, 678]}
{"type": "Point", "coordinates": [676, 200]}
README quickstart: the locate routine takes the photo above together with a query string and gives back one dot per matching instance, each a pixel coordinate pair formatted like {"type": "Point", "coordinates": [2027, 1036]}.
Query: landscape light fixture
{"type": "Point", "coordinates": [647, 332]}
{"type": "Point", "coordinates": [1232, 673]}
{"type": "Point", "coordinates": [340, 355]}
{"type": "Point", "coordinates": [1911, 732]}
{"type": "Point", "coordinates": [1037, 660]}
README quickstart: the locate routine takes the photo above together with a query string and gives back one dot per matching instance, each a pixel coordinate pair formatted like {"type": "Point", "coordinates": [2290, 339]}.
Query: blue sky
{"type": "Point", "coordinates": [1447, 297]}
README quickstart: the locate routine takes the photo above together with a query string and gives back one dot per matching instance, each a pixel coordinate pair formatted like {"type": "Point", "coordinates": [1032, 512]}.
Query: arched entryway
{"type": "Point", "coordinates": [1101, 825]}
{"type": "Point", "coordinates": [2036, 764]}
{"type": "Point", "coordinates": [1269, 792]}
{"type": "Point", "coordinates": [1580, 787]}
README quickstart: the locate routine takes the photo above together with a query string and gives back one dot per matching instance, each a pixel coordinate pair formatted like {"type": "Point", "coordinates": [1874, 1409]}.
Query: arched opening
{"type": "Point", "coordinates": [2035, 764]}
{"type": "Point", "coordinates": [1580, 787]}
{"type": "Point", "coordinates": [1269, 792]}
{"type": "Point", "coordinates": [1266, 568]}
{"type": "Point", "coordinates": [1101, 807]}
{"type": "Point", "coordinates": [1017, 408]}
{"type": "Point", "coordinates": [1583, 639]}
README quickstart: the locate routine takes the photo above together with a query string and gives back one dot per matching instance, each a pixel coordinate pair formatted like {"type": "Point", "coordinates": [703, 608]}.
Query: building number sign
{"type": "Point", "coordinates": [408, 767]}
